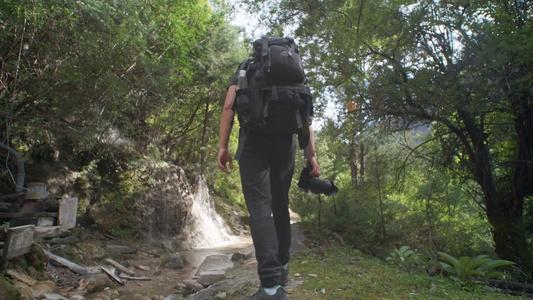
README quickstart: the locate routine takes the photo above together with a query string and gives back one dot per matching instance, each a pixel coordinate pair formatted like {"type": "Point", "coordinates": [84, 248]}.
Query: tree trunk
{"type": "Point", "coordinates": [504, 207]}
{"type": "Point", "coordinates": [19, 161]}
{"type": "Point", "coordinates": [362, 161]}
{"type": "Point", "coordinates": [380, 199]}
{"type": "Point", "coordinates": [353, 163]}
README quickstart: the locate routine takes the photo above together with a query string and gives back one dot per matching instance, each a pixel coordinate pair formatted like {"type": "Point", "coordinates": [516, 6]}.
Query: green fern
{"type": "Point", "coordinates": [406, 258]}
{"type": "Point", "coordinates": [466, 268]}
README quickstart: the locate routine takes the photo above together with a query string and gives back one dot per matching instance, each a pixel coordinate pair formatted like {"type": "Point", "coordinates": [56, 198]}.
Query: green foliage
{"type": "Point", "coordinates": [123, 182]}
{"type": "Point", "coordinates": [406, 258]}
{"type": "Point", "coordinates": [81, 80]}
{"type": "Point", "coordinates": [466, 269]}
{"type": "Point", "coordinates": [439, 65]}
{"type": "Point", "coordinates": [336, 272]}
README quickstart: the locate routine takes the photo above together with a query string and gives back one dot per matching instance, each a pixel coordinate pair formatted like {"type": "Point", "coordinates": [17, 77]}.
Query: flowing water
{"type": "Point", "coordinates": [208, 229]}
{"type": "Point", "coordinates": [209, 234]}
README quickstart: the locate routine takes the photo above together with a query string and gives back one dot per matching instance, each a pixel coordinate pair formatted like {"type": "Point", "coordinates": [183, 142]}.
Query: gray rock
{"type": "Point", "coordinates": [173, 261]}
{"type": "Point", "coordinates": [77, 297]}
{"type": "Point", "coordinates": [219, 262]}
{"type": "Point", "coordinates": [243, 254]}
{"type": "Point", "coordinates": [229, 287]}
{"type": "Point", "coordinates": [193, 285]}
{"type": "Point", "coordinates": [41, 288]}
{"type": "Point", "coordinates": [54, 297]}
{"type": "Point", "coordinates": [293, 284]}
{"type": "Point", "coordinates": [98, 282]}
{"type": "Point", "coordinates": [208, 278]}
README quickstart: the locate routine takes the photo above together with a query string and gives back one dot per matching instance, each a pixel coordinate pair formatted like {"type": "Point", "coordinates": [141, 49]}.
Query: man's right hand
{"type": "Point", "coordinates": [223, 159]}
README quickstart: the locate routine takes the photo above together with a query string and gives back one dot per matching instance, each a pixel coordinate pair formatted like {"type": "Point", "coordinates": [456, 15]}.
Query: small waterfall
{"type": "Point", "coordinates": [208, 229]}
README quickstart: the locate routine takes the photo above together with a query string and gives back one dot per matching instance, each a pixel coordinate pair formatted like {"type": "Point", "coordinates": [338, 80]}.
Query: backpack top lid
{"type": "Point", "coordinates": [260, 46]}
{"type": "Point", "coordinates": [276, 61]}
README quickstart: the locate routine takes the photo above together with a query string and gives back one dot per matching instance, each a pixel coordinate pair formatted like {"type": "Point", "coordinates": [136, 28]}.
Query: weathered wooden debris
{"type": "Point", "coordinates": [111, 273]}
{"type": "Point", "coordinates": [18, 242]}
{"type": "Point", "coordinates": [108, 236]}
{"type": "Point", "coordinates": [510, 287]}
{"type": "Point", "coordinates": [142, 267]}
{"type": "Point", "coordinates": [120, 267]}
{"type": "Point", "coordinates": [148, 252]}
{"type": "Point", "coordinates": [66, 263]}
{"type": "Point", "coordinates": [119, 249]}
{"type": "Point", "coordinates": [135, 277]}
{"type": "Point", "coordinates": [47, 232]}
{"type": "Point", "coordinates": [68, 208]}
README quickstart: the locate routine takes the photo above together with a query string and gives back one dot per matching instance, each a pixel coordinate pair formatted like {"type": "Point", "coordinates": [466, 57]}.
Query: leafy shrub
{"type": "Point", "coordinates": [406, 258]}
{"type": "Point", "coordinates": [467, 269]}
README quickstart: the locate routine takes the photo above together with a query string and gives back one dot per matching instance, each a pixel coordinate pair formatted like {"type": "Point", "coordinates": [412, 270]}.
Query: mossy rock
{"type": "Point", "coordinates": [8, 291]}
{"type": "Point", "coordinates": [37, 258]}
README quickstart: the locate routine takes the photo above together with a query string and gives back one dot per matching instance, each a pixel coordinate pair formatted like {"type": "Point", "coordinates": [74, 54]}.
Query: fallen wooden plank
{"type": "Point", "coordinates": [18, 242]}
{"type": "Point", "coordinates": [65, 262]}
{"type": "Point", "coordinates": [112, 274]}
{"type": "Point", "coordinates": [142, 267]}
{"type": "Point", "coordinates": [47, 231]}
{"type": "Point", "coordinates": [148, 252]}
{"type": "Point", "coordinates": [119, 249]}
{"type": "Point", "coordinates": [134, 278]}
{"type": "Point", "coordinates": [120, 267]}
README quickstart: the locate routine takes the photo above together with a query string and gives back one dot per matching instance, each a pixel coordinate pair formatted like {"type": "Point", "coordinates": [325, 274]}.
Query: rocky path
{"type": "Point", "coordinates": [241, 279]}
{"type": "Point", "coordinates": [158, 272]}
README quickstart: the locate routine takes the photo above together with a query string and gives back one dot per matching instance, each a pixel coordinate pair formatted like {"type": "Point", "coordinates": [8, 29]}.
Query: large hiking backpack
{"type": "Point", "coordinates": [276, 99]}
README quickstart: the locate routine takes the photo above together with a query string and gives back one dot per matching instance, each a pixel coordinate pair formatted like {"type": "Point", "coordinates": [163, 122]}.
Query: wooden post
{"type": "Point", "coordinates": [68, 209]}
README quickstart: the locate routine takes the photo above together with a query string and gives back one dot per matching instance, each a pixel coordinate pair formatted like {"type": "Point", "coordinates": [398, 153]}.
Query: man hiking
{"type": "Point", "coordinates": [274, 110]}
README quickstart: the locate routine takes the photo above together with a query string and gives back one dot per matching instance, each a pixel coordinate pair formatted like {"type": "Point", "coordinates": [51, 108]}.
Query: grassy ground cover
{"type": "Point", "coordinates": [335, 272]}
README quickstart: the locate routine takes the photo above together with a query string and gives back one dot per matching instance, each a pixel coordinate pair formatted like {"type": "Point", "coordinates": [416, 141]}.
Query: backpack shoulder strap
{"type": "Point", "coordinates": [264, 48]}
{"type": "Point", "coordinates": [244, 65]}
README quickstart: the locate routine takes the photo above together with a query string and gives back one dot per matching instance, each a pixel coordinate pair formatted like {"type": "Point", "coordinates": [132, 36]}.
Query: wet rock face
{"type": "Point", "coordinates": [164, 209]}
